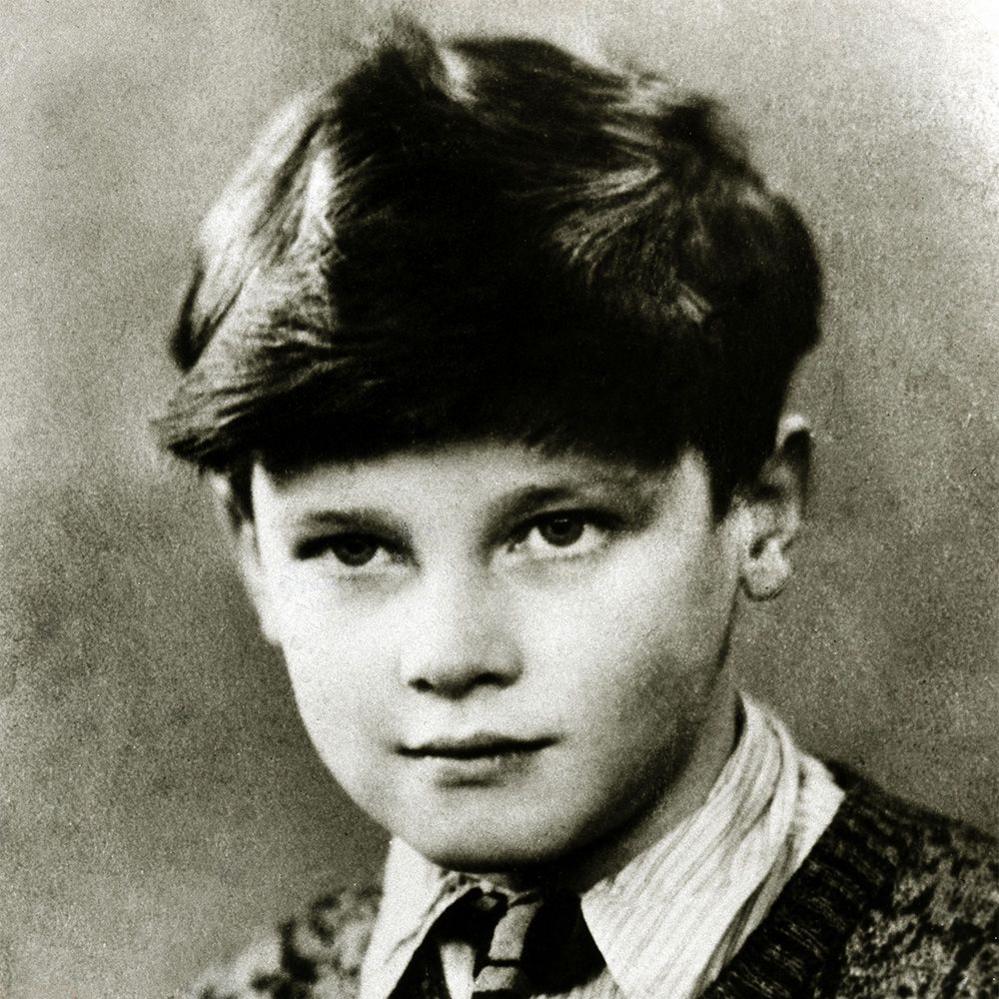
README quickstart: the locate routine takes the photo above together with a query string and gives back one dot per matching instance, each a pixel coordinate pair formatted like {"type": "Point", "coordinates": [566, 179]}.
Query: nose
{"type": "Point", "coordinates": [458, 638]}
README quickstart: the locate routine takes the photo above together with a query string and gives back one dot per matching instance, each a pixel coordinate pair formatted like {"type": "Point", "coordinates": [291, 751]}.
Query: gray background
{"type": "Point", "coordinates": [157, 796]}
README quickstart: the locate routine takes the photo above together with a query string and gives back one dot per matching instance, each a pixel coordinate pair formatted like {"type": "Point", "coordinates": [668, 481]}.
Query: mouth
{"type": "Point", "coordinates": [478, 761]}
{"type": "Point", "coordinates": [481, 745]}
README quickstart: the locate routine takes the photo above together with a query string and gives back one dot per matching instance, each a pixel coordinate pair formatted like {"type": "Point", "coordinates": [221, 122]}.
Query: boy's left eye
{"type": "Point", "coordinates": [562, 530]}
{"type": "Point", "coordinates": [560, 535]}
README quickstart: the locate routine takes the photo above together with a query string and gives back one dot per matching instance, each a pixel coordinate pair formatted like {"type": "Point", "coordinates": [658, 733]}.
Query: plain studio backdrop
{"type": "Point", "coordinates": [158, 798]}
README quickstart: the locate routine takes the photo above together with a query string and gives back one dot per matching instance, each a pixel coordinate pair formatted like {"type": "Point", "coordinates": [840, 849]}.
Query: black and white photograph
{"type": "Point", "coordinates": [499, 499]}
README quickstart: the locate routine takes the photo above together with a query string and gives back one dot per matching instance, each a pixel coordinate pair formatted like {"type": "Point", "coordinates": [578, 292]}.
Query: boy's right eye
{"type": "Point", "coordinates": [354, 549]}
{"type": "Point", "coordinates": [351, 550]}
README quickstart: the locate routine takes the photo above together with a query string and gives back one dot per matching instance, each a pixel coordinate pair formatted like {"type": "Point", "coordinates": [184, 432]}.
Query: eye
{"type": "Point", "coordinates": [563, 534]}
{"type": "Point", "coordinates": [354, 549]}
{"type": "Point", "coordinates": [562, 530]}
{"type": "Point", "coordinates": [351, 550]}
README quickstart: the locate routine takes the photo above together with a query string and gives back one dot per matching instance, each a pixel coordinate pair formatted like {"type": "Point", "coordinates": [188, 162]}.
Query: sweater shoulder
{"type": "Point", "coordinates": [318, 953]}
{"type": "Point", "coordinates": [892, 900]}
{"type": "Point", "coordinates": [934, 931]}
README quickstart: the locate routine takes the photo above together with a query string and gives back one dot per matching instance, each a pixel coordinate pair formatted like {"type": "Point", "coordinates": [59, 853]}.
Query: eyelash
{"type": "Point", "coordinates": [327, 544]}
{"type": "Point", "coordinates": [581, 519]}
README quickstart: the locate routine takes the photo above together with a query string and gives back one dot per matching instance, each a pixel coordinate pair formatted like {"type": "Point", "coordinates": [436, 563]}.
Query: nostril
{"type": "Point", "coordinates": [497, 679]}
{"type": "Point", "coordinates": [457, 646]}
{"type": "Point", "coordinates": [457, 683]}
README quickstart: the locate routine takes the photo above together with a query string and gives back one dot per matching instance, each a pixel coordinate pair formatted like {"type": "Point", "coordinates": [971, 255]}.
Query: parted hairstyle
{"type": "Point", "coordinates": [493, 239]}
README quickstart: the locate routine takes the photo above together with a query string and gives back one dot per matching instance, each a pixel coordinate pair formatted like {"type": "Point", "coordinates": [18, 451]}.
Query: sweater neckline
{"type": "Point", "coordinates": [853, 863]}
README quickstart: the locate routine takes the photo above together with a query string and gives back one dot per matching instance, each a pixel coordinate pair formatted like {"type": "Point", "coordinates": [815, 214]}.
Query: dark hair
{"type": "Point", "coordinates": [490, 238]}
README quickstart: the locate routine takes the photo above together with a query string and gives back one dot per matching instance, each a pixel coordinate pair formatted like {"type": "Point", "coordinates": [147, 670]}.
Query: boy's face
{"type": "Point", "coordinates": [503, 657]}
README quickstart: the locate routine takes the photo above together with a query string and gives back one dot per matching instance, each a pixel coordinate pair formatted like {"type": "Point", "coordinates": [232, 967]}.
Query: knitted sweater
{"type": "Point", "coordinates": [891, 901]}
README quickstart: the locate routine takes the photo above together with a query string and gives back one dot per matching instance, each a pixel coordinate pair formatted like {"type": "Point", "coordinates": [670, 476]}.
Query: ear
{"type": "Point", "coordinates": [242, 535]}
{"type": "Point", "coordinates": [775, 508]}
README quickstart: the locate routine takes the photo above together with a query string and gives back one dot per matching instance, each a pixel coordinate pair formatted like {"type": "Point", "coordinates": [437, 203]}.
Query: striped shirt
{"type": "Point", "coordinates": [669, 920]}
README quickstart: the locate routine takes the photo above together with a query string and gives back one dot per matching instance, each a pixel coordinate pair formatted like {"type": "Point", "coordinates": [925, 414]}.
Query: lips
{"type": "Point", "coordinates": [474, 763]}
{"type": "Point", "coordinates": [474, 746]}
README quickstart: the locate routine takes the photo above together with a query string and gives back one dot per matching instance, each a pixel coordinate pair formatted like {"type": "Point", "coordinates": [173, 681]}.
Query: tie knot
{"type": "Point", "coordinates": [539, 945]}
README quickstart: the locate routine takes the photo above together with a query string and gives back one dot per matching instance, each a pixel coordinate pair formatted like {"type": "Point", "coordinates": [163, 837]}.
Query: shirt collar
{"type": "Point", "coordinates": [662, 917]}
{"type": "Point", "coordinates": [415, 893]}
{"type": "Point", "coordinates": [670, 906]}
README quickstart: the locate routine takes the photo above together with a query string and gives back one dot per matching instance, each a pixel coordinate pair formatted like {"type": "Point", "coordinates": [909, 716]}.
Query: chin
{"type": "Point", "coordinates": [495, 864]}
{"type": "Point", "coordinates": [481, 858]}
{"type": "Point", "coordinates": [482, 852]}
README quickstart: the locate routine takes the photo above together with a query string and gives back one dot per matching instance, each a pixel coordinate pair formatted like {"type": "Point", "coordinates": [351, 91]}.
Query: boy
{"type": "Point", "coordinates": [486, 358]}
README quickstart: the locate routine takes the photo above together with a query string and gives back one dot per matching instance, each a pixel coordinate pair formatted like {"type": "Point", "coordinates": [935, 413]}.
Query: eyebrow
{"type": "Point", "coordinates": [629, 489]}
{"type": "Point", "coordinates": [360, 520]}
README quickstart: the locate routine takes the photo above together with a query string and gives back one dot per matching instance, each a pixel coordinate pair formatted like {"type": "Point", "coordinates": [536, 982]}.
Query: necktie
{"type": "Point", "coordinates": [500, 972]}
{"type": "Point", "coordinates": [540, 946]}
{"type": "Point", "coordinates": [526, 944]}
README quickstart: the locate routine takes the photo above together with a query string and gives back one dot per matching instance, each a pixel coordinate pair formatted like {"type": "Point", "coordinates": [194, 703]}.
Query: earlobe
{"type": "Point", "coordinates": [242, 534]}
{"type": "Point", "coordinates": [766, 572]}
{"type": "Point", "coordinates": [774, 508]}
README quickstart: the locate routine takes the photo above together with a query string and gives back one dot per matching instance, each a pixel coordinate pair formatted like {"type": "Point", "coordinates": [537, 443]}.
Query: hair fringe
{"type": "Point", "coordinates": [493, 237]}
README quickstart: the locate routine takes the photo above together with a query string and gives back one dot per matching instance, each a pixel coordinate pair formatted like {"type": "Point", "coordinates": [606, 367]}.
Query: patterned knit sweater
{"type": "Point", "coordinates": [891, 901]}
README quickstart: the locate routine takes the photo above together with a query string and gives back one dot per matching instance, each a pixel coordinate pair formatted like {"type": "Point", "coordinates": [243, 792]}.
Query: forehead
{"type": "Point", "coordinates": [468, 479]}
{"type": "Point", "coordinates": [495, 463]}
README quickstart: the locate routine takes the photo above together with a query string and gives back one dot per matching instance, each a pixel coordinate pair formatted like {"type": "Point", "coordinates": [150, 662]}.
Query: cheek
{"type": "Point", "coordinates": [339, 665]}
{"type": "Point", "coordinates": [664, 615]}
{"type": "Point", "coordinates": [634, 658]}
{"type": "Point", "coordinates": [345, 718]}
